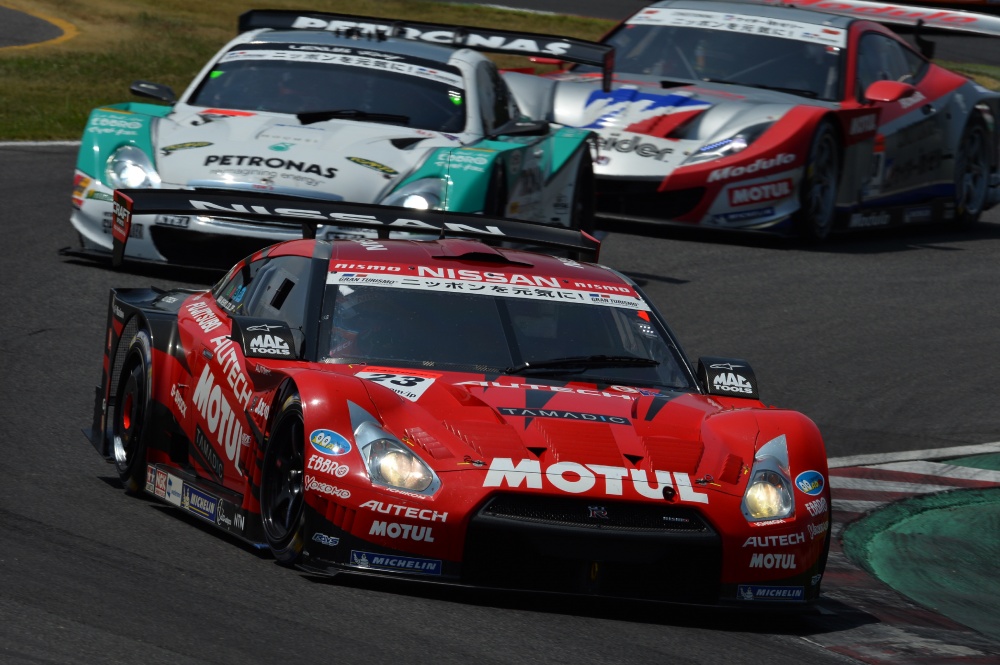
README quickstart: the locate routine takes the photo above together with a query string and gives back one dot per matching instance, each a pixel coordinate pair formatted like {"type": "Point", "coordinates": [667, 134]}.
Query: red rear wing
{"type": "Point", "coordinates": [490, 40]}
{"type": "Point", "coordinates": [270, 209]}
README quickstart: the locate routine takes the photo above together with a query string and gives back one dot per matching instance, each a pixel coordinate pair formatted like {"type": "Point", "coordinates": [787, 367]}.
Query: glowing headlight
{"type": "Point", "coordinates": [769, 495]}
{"type": "Point", "coordinates": [423, 194]}
{"type": "Point", "coordinates": [390, 462]}
{"type": "Point", "coordinates": [729, 145]}
{"type": "Point", "coordinates": [129, 167]}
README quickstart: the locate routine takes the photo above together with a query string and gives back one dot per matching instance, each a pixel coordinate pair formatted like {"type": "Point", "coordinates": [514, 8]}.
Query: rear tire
{"type": "Point", "coordinates": [972, 173]}
{"type": "Point", "coordinates": [130, 425]}
{"type": "Point", "coordinates": [282, 483]}
{"type": "Point", "coordinates": [818, 191]}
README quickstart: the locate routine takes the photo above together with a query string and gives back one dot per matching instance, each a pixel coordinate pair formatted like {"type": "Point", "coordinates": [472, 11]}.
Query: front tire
{"type": "Point", "coordinates": [130, 426]}
{"type": "Point", "coordinates": [282, 483]}
{"type": "Point", "coordinates": [818, 192]}
{"type": "Point", "coordinates": [972, 173]}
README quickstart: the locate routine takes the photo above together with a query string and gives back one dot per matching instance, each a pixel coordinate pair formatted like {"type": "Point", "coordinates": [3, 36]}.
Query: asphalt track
{"type": "Point", "coordinates": [886, 340]}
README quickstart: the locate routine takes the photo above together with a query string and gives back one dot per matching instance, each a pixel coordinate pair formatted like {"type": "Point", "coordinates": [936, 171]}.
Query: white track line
{"type": "Point", "coordinates": [929, 454]}
{"type": "Point", "coordinates": [943, 470]}
{"type": "Point", "coordinates": [872, 485]}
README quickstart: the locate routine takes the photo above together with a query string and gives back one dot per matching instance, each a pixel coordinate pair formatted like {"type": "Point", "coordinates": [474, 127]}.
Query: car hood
{"type": "Point", "coordinates": [647, 129]}
{"type": "Point", "coordinates": [466, 422]}
{"type": "Point", "coordinates": [334, 159]}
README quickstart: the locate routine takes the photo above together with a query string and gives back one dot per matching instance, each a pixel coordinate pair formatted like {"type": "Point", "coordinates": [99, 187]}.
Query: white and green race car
{"type": "Point", "coordinates": [335, 107]}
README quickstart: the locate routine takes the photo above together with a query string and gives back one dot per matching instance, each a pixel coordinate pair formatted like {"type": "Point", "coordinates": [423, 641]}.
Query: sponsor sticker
{"type": "Point", "coordinates": [810, 482]}
{"type": "Point", "coordinates": [329, 442]}
{"type": "Point", "coordinates": [409, 385]}
{"type": "Point", "coordinates": [743, 24]}
{"type": "Point", "coordinates": [763, 592]}
{"type": "Point", "coordinates": [391, 562]}
{"type": "Point", "coordinates": [199, 503]}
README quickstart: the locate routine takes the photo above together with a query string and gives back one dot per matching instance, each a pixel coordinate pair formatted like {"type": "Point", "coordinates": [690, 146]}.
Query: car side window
{"type": "Point", "coordinates": [881, 58]}
{"type": "Point", "coordinates": [271, 288]}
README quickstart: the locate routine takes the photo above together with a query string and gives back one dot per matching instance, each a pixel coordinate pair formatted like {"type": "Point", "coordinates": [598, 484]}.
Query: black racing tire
{"type": "Point", "coordinates": [972, 173]}
{"type": "Point", "coordinates": [282, 483]}
{"type": "Point", "coordinates": [131, 416]}
{"type": "Point", "coordinates": [818, 191]}
{"type": "Point", "coordinates": [582, 210]}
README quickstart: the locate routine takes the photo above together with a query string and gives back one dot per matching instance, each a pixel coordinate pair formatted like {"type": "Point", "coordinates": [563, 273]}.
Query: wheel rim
{"type": "Point", "coordinates": [973, 170]}
{"type": "Point", "coordinates": [129, 417]}
{"type": "Point", "coordinates": [822, 193]}
{"type": "Point", "coordinates": [281, 492]}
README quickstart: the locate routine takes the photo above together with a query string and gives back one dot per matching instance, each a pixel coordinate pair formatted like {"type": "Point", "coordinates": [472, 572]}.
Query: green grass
{"type": "Point", "coordinates": [47, 91]}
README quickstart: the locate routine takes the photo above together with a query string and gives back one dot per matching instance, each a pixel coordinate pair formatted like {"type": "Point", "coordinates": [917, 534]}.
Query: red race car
{"type": "Point", "coordinates": [455, 410]}
{"type": "Point", "coordinates": [787, 116]}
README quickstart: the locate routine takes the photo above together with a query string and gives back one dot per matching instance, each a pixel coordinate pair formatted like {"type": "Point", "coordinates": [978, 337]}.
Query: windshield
{"type": "Point", "coordinates": [496, 334]}
{"type": "Point", "coordinates": [757, 60]}
{"type": "Point", "coordinates": [285, 78]}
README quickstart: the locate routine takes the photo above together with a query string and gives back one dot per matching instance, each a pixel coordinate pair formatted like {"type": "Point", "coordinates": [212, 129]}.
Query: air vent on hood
{"type": "Point", "coordinates": [489, 439]}
{"type": "Point", "coordinates": [408, 142]}
{"type": "Point", "coordinates": [587, 442]}
{"type": "Point", "coordinates": [673, 453]}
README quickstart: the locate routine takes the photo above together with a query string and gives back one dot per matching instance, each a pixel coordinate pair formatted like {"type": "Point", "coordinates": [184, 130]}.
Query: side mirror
{"type": "Point", "coordinates": [264, 338]}
{"type": "Point", "coordinates": [731, 377]}
{"type": "Point", "coordinates": [164, 93]}
{"type": "Point", "coordinates": [888, 91]}
{"type": "Point", "coordinates": [523, 128]}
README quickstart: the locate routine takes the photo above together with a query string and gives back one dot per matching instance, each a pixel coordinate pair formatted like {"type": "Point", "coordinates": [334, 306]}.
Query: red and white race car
{"type": "Point", "coordinates": [802, 115]}
{"type": "Point", "coordinates": [457, 411]}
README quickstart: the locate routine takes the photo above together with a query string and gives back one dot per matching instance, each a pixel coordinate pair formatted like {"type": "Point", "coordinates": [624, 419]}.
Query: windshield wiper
{"type": "Point", "coordinates": [309, 117]}
{"type": "Point", "coordinates": [583, 363]}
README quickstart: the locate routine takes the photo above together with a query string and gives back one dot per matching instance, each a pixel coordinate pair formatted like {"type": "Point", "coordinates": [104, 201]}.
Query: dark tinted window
{"type": "Point", "coordinates": [257, 79]}
{"type": "Point", "coordinates": [483, 333]}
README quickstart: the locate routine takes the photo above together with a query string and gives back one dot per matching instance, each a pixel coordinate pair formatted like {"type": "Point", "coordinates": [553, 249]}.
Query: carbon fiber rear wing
{"type": "Point", "coordinates": [890, 13]}
{"type": "Point", "coordinates": [269, 209]}
{"type": "Point", "coordinates": [489, 40]}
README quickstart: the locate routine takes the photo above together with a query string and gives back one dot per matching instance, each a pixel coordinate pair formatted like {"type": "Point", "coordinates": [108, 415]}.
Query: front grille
{"type": "Point", "coordinates": [640, 199]}
{"type": "Point", "coordinates": [554, 544]}
{"type": "Point", "coordinates": [595, 514]}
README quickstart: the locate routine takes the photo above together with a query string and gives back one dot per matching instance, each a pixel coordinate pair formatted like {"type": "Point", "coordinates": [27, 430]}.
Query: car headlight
{"type": "Point", "coordinates": [730, 145]}
{"type": "Point", "coordinates": [390, 462]}
{"type": "Point", "coordinates": [129, 167]}
{"type": "Point", "coordinates": [769, 495]}
{"type": "Point", "coordinates": [422, 194]}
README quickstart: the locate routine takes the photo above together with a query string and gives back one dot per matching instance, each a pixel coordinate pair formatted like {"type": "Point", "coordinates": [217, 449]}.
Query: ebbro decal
{"type": "Point", "coordinates": [759, 592]}
{"type": "Point", "coordinates": [329, 442]}
{"type": "Point", "coordinates": [810, 482]}
{"type": "Point", "coordinates": [402, 563]}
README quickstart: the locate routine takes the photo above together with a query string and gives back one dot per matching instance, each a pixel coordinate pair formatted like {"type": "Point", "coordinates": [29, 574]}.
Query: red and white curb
{"type": "Point", "coordinates": [864, 619]}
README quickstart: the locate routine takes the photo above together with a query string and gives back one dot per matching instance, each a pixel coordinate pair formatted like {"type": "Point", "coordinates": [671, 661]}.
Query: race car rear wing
{"type": "Point", "coordinates": [269, 209]}
{"type": "Point", "coordinates": [890, 13]}
{"type": "Point", "coordinates": [490, 40]}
